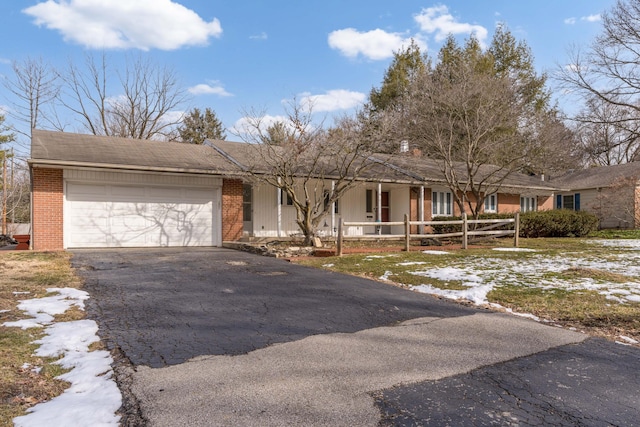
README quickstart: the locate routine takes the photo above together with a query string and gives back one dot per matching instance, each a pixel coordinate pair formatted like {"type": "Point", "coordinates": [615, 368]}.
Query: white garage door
{"type": "Point", "coordinates": [98, 215]}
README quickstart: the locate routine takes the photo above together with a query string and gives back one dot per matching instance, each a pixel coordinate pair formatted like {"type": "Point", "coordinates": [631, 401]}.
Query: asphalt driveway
{"type": "Point", "coordinates": [163, 307]}
{"type": "Point", "coordinates": [219, 337]}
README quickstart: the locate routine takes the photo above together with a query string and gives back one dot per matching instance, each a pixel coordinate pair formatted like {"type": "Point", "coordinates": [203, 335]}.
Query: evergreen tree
{"type": "Point", "coordinates": [514, 59]}
{"type": "Point", "coordinates": [405, 66]}
{"type": "Point", "coordinates": [196, 127]}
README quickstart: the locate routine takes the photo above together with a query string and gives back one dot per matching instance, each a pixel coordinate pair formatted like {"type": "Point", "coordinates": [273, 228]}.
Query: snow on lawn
{"type": "Point", "coordinates": [93, 397]}
{"type": "Point", "coordinates": [633, 244]}
{"type": "Point", "coordinates": [480, 275]}
{"type": "Point", "coordinates": [433, 252]}
{"type": "Point", "coordinates": [514, 250]}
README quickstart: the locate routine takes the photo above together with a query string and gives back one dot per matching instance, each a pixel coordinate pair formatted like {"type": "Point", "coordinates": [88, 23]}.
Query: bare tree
{"type": "Point", "coordinates": [18, 188]}
{"type": "Point", "coordinates": [609, 133]}
{"type": "Point", "coordinates": [313, 166]}
{"type": "Point", "coordinates": [140, 107]}
{"type": "Point", "coordinates": [35, 86]}
{"type": "Point", "coordinates": [608, 70]}
{"type": "Point", "coordinates": [467, 121]}
{"type": "Point", "coordinates": [551, 145]}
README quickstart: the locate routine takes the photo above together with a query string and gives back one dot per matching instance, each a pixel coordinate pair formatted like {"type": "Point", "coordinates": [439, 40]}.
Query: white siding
{"type": "Point", "coordinates": [351, 207]}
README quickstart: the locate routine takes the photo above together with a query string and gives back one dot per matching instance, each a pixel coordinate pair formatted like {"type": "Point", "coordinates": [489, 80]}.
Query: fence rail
{"type": "Point", "coordinates": [465, 233]}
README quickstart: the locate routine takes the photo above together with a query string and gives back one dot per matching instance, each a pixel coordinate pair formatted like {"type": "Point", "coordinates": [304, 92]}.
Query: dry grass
{"type": "Point", "coordinates": [585, 310]}
{"type": "Point", "coordinates": [26, 275]}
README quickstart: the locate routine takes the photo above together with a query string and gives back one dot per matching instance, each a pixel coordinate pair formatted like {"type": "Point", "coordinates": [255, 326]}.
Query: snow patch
{"type": "Point", "coordinates": [93, 397]}
{"type": "Point", "coordinates": [514, 250]}
{"type": "Point", "coordinates": [433, 252]}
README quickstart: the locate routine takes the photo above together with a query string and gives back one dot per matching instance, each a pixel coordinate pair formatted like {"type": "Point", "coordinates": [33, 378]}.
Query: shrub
{"type": "Point", "coordinates": [557, 223]}
{"type": "Point", "coordinates": [453, 228]}
{"type": "Point", "coordinates": [552, 223]}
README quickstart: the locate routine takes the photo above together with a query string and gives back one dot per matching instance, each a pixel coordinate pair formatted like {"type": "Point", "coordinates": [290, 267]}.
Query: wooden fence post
{"type": "Point", "coordinates": [407, 230]}
{"type": "Point", "coordinates": [516, 230]}
{"type": "Point", "coordinates": [465, 228]}
{"type": "Point", "coordinates": [339, 241]}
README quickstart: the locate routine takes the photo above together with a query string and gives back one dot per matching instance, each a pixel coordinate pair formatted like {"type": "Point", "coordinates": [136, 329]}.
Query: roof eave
{"type": "Point", "coordinates": [73, 164]}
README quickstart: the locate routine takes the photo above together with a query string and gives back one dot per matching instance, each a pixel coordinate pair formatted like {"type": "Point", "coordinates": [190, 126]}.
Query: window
{"type": "Point", "coordinates": [528, 204]}
{"type": "Point", "coordinates": [369, 201]}
{"type": "Point", "coordinates": [285, 199]}
{"type": "Point", "coordinates": [568, 201]}
{"type": "Point", "coordinates": [491, 203]}
{"type": "Point", "coordinates": [246, 202]}
{"type": "Point", "coordinates": [441, 203]}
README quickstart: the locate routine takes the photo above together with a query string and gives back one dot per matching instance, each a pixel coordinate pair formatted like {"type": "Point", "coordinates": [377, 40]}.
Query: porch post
{"type": "Point", "coordinates": [333, 210]}
{"type": "Point", "coordinates": [279, 209]}
{"type": "Point", "coordinates": [379, 210]}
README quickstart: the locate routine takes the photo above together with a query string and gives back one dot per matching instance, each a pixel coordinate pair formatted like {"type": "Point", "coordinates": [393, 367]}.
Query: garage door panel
{"type": "Point", "coordinates": [138, 216]}
{"type": "Point", "coordinates": [122, 192]}
{"type": "Point", "coordinates": [87, 191]}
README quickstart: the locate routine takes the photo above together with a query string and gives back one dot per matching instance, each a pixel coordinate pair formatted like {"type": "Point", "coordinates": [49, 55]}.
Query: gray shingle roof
{"type": "Point", "coordinates": [596, 177]}
{"type": "Point", "coordinates": [101, 151]}
{"type": "Point", "coordinates": [226, 158]}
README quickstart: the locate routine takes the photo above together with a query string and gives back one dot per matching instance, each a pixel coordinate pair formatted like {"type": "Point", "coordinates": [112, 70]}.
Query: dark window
{"type": "Point", "coordinates": [285, 199]}
{"type": "Point", "coordinates": [246, 202]}
{"type": "Point", "coordinates": [567, 202]}
{"type": "Point", "coordinates": [369, 201]}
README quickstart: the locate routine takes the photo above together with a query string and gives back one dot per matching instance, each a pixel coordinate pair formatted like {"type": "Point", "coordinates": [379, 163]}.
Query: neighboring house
{"type": "Point", "coordinates": [92, 191]}
{"type": "Point", "coordinates": [610, 192]}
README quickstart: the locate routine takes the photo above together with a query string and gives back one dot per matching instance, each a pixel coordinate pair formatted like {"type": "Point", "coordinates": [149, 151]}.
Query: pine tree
{"type": "Point", "coordinates": [196, 127]}
{"type": "Point", "coordinates": [405, 66]}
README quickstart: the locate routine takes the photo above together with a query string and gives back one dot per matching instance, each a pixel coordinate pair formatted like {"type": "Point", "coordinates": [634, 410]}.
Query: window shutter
{"type": "Point", "coordinates": [576, 201]}
{"type": "Point", "coordinates": [559, 201]}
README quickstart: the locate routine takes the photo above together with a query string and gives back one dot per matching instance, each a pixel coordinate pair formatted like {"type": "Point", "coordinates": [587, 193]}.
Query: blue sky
{"type": "Point", "coordinates": [234, 56]}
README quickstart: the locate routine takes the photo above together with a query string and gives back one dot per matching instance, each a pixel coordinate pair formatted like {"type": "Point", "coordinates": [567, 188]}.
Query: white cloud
{"type": "Point", "coordinates": [124, 24]}
{"type": "Point", "coordinates": [591, 18]}
{"type": "Point", "coordinates": [375, 44]}
{"type": "Point", "coordinates": [438, 20]}
{"type": "Point", "coordinates": [247, 125]}
{"type": "Point", "coordinates": [261, 36]}
{"type": "Point", "coordinates": [333, 100]}
{"type": "Point", "coordinates": [174, 116]}
{"type": "Point", "coordinates": [208, 89]}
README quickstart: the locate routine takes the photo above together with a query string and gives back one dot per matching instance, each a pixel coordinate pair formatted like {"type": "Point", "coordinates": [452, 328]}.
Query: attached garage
{"type": "Point", "coordinates": [129, 215]}
{"type": "Point", "coordinates": [105, 192]}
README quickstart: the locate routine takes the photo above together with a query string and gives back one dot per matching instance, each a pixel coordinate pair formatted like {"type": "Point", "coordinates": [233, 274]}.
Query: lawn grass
{"type": "Point", "coordinates": [616, 234]}
{"type": "Point", "coordinates": [25, 379]}
{"type": "Point", "coordinates": [567, 304]}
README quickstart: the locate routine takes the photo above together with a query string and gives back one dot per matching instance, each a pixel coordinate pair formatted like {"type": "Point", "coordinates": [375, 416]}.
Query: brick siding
{"type": "Point", "coordinates": [231, 209]}
{"type": "Point", "coordinates": [47, 229]}
{"type": "Point", "coordinates": [508, 203]}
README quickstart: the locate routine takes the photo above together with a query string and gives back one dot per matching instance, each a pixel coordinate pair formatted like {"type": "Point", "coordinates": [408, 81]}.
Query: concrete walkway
{"type": "Point", "coordinates": [328, 380]}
